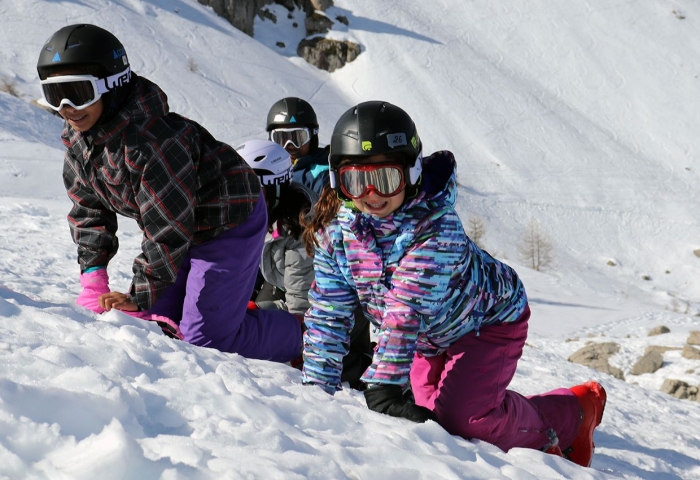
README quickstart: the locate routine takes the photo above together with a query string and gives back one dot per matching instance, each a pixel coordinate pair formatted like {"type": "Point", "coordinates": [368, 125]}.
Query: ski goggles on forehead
{"type": "Point", "coordinates": [79, 91]}
{"type": "Point", "coordinates": [296, 136]}
{"type": "Point", "coordinates": [386, 180]}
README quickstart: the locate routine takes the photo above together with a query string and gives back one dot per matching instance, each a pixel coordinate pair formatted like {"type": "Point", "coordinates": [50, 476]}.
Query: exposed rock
{"type": "Point", "coordinates": [658, 330]}
{"type": "Point", "coordinates": [694, 338]}
{"type": "Point", "coordinates": [680, 389]}
{"type": "Point", "coordinates": [697, 252]}
{"type": "Point", "coordinates": [323, 53]}
{"type": "Point", "coordinates": [596, 355]}
{"type": "Point", "coordinates": [265, 13]}
{"type": "Point", "coordinates": [691, 353]}
{"type": "Point", "coordinates": [594, 352]}
{"type": "Point", "coordinates": [321, 4]}
{"type": "Point", "coordinates": [241, 13]}
{"type": "Point", "coordinates": [342, 19]}
{"type": "Point", "coordinates": [328, 54]}
{"type": "Point", "coordinates": [612, 371]}
{"type": "Point", "coordinates": [317, 23]}
{"type": "Point", "coordinates": [648, 363]}
{"type": "Point", "coordinates": [659, 348]}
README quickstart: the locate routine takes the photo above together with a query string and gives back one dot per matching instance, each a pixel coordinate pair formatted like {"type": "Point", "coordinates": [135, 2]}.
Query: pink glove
{"type": "Point", "coordinates": [94, 284]}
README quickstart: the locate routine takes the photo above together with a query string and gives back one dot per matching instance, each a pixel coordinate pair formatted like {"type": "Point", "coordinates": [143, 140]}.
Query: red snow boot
{"type": "Point", "coordinates": [592, 397]}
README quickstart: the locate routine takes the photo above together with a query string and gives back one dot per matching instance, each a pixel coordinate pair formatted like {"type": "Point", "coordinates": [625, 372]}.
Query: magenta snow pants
{"type": "Point", "coordinates": [466, 388]}
{"type": "Point", "coordinates": [210, 296]}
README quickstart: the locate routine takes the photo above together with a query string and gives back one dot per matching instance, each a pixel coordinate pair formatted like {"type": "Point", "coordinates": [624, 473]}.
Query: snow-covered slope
{"type": "Point", "coordinates": [579, 116]}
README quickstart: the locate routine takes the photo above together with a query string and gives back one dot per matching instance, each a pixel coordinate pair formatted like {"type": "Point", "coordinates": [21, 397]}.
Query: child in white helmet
{"type": "Point", "coordinates": [285, 266]}
{"type": "Point", "coordinates": [287, 270]}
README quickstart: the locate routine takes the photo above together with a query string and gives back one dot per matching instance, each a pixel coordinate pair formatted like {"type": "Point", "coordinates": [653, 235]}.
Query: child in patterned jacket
{"type": "Point", "coordinates": [452, 319]}
{"type": "Point", "coordinates": [193, 197]}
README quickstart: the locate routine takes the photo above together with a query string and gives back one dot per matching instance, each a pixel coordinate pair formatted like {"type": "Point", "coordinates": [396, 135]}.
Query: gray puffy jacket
{"type": "Point", "coordinates": [286, 266]}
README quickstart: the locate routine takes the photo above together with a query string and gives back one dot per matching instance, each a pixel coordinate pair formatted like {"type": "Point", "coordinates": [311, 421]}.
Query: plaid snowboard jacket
{"type": "Point", "coordinates": [167, 172]}
{"type": "Point", "coordinates": [418, 277]}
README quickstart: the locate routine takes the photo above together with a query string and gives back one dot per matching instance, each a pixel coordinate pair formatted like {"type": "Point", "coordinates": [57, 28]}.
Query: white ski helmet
{"type": "Point", "coordinates": [271, 163]}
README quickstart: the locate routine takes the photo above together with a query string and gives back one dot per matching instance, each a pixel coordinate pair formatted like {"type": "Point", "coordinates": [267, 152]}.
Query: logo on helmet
{"type": "Point", "coordinates": [366, 146]}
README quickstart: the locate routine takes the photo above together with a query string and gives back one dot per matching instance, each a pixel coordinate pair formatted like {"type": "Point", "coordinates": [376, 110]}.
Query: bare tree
{"type": "Point", "coordinates": [535, 249]}
{"type": "Point", "coordinates": [476, 230]}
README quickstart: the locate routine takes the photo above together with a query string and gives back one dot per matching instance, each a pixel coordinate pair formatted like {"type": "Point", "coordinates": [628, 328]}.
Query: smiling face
{"type": "Point", "coordinates": [81, 120]}
{"type": "Point", "coordinates": [374, 204]}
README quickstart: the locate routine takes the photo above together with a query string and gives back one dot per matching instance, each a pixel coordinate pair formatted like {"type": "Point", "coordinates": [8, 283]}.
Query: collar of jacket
{"type": "Point", "coordinates": [146, 100]}
{"type": "Point", "coordinates": [318, 157]}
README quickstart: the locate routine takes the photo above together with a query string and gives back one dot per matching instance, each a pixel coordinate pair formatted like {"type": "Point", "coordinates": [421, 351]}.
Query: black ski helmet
{"type": "Point", "coordinates": [375, 128]}
{"type": "Point", "coordinates": [92, 50]}
{"type": "Point", "coordinates": [292, 112]}
{"type": "Point", "coordinates": [82, 44]}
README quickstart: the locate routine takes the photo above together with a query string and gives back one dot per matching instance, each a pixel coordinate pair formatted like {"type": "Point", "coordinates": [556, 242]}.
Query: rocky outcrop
{"type": "Point", "coordinates": [596, 356]}
{"type": "Point", "coordinates": [659, 348]}
{"type": "Point", "coordinates": [239, 13]}
{"type": "Point", "coordinates": [317, 23]}
{"type": "Point", "coordinates": [680, 389]}
{"type": "Point", "coordinates": [660, 330]}
{"type": "Point", "coordinates": [648, 363]}
{"type": "Point", "coordinates": [323, 53]}
{"type": "Point", "coordinates": [693, 338]}
{"type": "Point", "coordinates": [691, 353]}
{"type": "Point", "coordinates": [328, 54]}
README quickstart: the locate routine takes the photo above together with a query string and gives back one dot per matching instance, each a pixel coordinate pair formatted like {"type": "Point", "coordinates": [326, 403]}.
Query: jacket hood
{"type": "Point", "coordinates": [438, 183]}
{"type": "Point", "coordinates": [146, 100]}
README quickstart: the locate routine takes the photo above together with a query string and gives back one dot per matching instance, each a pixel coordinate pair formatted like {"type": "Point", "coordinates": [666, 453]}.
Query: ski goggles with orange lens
{"type": "Point", "coordinates": [386, 180]}
{"type": "Point", "coordinates": [79, 91]}
{"type": "Point", "coordinates": [296, 136]}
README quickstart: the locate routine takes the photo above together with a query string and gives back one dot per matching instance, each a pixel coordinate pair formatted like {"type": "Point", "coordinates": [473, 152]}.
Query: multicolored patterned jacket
{"type": "Point", "coordinates": [167, 172]}
{"type": "Point", "coordinates": [418, 277]}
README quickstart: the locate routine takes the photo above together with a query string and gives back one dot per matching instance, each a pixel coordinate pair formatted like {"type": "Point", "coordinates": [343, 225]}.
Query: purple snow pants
{"type": "Point", "coordinates": [211, 293]}
{"type": "Point", "coordinates": [466, 388]}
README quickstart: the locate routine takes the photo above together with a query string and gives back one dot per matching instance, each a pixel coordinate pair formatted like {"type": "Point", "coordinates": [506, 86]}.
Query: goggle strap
{"type": "Point", "coordinates": [104, 85]}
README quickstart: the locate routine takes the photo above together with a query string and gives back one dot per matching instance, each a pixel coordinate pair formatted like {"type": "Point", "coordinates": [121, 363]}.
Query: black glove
{"type": "Point", "coordinates": [388, 399]}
